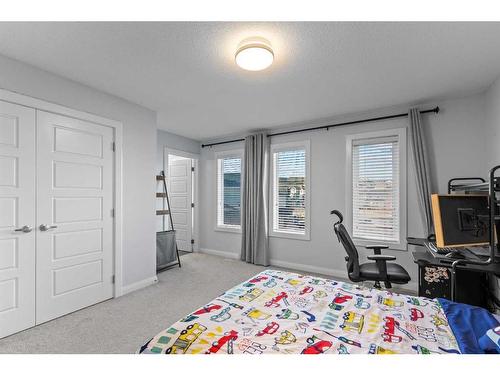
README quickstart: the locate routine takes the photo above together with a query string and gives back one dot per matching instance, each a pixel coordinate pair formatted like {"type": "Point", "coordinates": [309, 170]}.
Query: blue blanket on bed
{"type": "Point", "coordinates": [469, 325]}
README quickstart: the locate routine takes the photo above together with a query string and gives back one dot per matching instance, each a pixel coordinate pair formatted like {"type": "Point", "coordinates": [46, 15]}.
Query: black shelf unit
{"type": "Point", "coordinates": [477, 185]}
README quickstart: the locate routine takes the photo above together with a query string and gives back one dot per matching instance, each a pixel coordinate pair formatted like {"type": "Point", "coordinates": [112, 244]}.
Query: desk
{"type": "Point", "coordinates": [434, 276]}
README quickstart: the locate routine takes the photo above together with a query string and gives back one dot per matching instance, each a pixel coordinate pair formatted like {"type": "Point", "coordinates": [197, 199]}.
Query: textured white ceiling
{"type": "Point", "coordinates": [186, 71]}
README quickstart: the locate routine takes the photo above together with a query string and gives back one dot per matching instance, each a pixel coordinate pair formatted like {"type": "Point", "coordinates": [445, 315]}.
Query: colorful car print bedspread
{"type": "Point", "coordinates": [278, 312]}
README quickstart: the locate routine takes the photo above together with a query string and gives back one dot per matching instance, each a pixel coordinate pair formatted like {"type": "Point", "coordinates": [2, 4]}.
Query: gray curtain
{"type": "Point", "coordinates": [423, 173]}
{"type": "Point", "coordinates": [254, 217]}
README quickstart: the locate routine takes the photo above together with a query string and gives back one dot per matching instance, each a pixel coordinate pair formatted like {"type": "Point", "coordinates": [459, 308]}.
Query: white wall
{"type": "Point", "coordinates": [456, 138]}
{"type": "Point", "coordinates": [493, 123]}
{"type": "Point", "coordinates": [177, 142]}
{"type": "Point", "coordinates": [139, 153]}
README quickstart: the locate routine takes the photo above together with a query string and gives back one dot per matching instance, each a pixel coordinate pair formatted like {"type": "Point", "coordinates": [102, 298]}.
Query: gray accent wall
{"type": "Point", "coordinates": [464, 140]}
{"type": "Point", "coordinates": [456, 136]}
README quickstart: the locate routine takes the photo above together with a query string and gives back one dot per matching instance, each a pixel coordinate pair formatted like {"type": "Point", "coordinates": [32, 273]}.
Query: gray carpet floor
{"type": "Point", "coordinates": [122, 325]}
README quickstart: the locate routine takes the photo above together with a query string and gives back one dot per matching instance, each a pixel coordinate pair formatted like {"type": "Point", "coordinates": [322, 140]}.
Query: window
{"type": "Point", "coordinates": [229, 191]}
{"type": "Point", "coordinates": [290, 190]}
{"type": "Point", "coordinates": [378, 181]}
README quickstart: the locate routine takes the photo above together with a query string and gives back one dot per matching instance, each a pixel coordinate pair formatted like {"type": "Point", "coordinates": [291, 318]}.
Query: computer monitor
{"type": "Point", "coordinates": [460, 220]}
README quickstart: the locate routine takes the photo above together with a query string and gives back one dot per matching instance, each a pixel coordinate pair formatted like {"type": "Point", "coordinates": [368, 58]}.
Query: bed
{"type": "Point", "coordinates": [278, 312]}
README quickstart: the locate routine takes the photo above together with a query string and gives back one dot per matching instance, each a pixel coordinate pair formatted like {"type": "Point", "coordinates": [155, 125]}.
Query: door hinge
{"type": "Point", "coordinates": [113, 146]}
{"type": "Point", "coordinates": [192, 169]}
{"type": "Point", "coordinates": [192, 242]}
{"type": "Point", "coordinates": [112, 212]}
{"type": "Point", "coordinates": [192, 205]}
{"type": "Point", "coordinates": [113, 279]}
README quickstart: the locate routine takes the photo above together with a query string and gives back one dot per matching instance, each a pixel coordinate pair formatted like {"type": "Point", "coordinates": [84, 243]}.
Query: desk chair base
{"type": "Point", "coordinates": [387, 285]}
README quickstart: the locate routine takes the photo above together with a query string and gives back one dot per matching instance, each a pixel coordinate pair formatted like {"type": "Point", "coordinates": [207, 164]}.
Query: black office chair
{"type": "Point", "coordinates": [376, 271]}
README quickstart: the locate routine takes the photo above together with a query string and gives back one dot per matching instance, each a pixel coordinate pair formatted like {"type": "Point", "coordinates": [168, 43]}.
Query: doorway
{"type": "Point", "coordinates": [181, 171]}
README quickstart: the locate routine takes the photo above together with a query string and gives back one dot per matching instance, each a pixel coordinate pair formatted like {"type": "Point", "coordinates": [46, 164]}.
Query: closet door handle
{"type": "Point", "coordinates": [45, 227]}
{"type": "Point", "coordinates": [24, 229]}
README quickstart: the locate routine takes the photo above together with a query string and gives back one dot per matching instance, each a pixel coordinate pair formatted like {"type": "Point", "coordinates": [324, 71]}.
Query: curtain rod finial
{"type": "Point", "coordinates": [437, 109]}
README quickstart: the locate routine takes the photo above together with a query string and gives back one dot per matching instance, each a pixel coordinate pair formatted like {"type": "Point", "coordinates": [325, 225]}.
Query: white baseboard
{"type": "Point", "coordinates": [411, 287]}
{"type": "Point", "coordinates": [279, 263]}
{"type": "Point", "coordinates": [139, 285]}
{"type": "Point", "coordinates": [309, 268]}
{"type": "Point", "coordinates": [220, 253]}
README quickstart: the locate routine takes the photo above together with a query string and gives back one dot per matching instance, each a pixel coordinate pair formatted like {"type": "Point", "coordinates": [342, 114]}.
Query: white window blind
{"type": "Point", "coordinates": [375, 189]}
{"type": "Point", "coordinates": [229, 192]}
{"type": "Point", "coordinates": [289, 195]}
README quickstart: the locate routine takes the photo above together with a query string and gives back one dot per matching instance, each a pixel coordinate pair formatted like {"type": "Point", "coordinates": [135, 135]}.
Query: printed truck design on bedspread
{"type": "Point", "coordinates": [281, 312]}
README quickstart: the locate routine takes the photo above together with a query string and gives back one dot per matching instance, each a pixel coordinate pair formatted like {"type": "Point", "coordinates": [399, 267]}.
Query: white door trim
{"type": "Point", "coordinates": [196, 194]}
{"type": "Point", "coordinates": [28, 101]}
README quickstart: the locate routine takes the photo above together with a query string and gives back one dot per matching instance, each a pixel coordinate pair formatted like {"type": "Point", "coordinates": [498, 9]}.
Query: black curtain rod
{"type": "Point", "coordinates": [433, 110]}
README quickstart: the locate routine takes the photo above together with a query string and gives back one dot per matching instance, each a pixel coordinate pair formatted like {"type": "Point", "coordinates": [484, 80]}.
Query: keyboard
{"type": "Point", "coordinates": [440, 250]}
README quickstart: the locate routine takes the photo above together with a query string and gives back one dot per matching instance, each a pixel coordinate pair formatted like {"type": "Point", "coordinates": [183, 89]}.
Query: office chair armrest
{"type": "Point", "coordinates": [377, 248]}
{"type": "Point", "coordinates": [381, 257]}
{"type": "Point", "coordinates": [381, 261]}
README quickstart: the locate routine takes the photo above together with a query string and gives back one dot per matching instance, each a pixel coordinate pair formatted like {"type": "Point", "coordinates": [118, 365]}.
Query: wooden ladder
{"type": "Point", "coordinates": [166, 213]}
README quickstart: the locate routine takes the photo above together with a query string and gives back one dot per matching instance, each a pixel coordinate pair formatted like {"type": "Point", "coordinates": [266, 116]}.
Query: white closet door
{"type": "Point", "coordinates": [75, 225]}
{"type": "Point", "coordinates": [180, 185]}
{"type": "Point", "coordinates": [17, 209]}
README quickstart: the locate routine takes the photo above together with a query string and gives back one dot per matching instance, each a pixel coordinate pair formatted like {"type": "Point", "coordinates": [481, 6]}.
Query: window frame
{"type": "Point", "coordinates": [236, 153]}
{"type": "Point", "coordinates": [290, 146]}
{"type": "Point", "coordinates": [400, 133]}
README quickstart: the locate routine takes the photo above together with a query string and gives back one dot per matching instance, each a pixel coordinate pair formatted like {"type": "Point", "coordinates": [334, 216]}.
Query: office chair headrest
{"type": "Point", "coordinates": [339, 215]}
{"type": "Point", "coordinates": [341, 219]}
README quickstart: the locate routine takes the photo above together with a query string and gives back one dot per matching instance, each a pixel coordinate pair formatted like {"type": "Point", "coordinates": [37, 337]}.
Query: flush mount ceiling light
{"type": "Point", "coordinates": [254, 54]}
